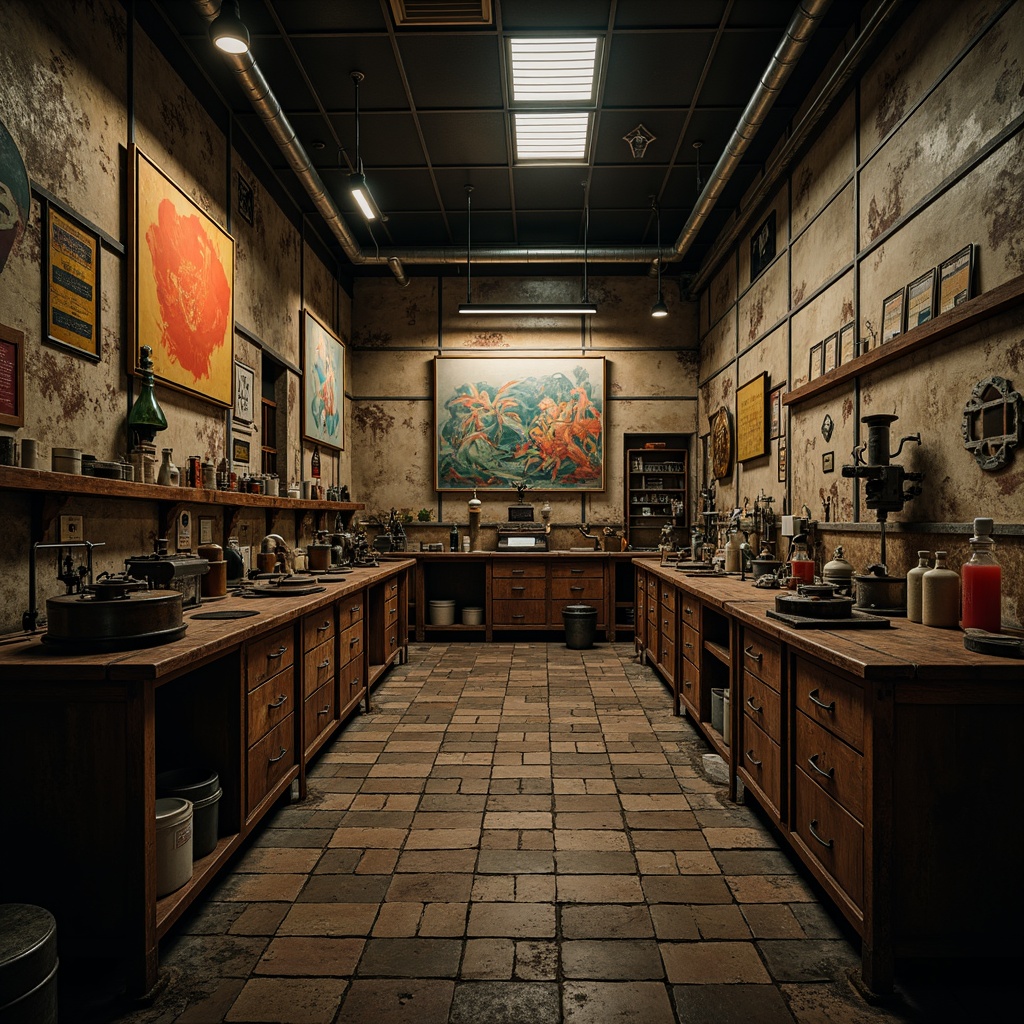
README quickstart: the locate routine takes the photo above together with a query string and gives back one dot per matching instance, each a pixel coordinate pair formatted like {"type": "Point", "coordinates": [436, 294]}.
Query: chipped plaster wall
{"type": "Point", "coordinates": [933, 163]}
{"type": "Point", "coordinates": [396, 334]}
{"type": "Point", "coordinates": [64, 96]}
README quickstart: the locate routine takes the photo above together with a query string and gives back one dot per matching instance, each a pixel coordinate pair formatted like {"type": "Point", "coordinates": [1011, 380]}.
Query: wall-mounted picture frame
{"type": "Point", "coordinates": [955, 279]}
{"type": "Point", "coordinates": [751, 419]}
{"type": "Point", "coordinates": [892, 316]}
{"type": "Point", "coordinates": [830, 353]}
{"type": "Point", "coordinates": [828, 462]}
{"type": "Point", "coordinates": [323, 384]}
{"type": "Point", "coordinates": [205, 530]}
{"type": "Point", "coordinates": [181, 286]}
{"type": "Point", "coordinates": [503, 421]}
{"type": "Point", "coordinates": [847, 342]}
{"type": "Point", "coordinates": [246, 199]}
{"type": "Point", "coordinates": [245, 393]}
{"type": "Point", "coordinates": [720, 443]}
{"type": "Point", "coordinates": [240, 450]}
{"type": "Point", "coordinates": [762, 246]}
{"type": "Point", "coordinates": [815, 361]}
{"type": "Point", "coordinates": [921, 299]}
{"type": "Point", "coordinates": [12, 377]}
{"type": "Point", "coordinates": [776, 427]}
{"type": "Point", "coordinates": [71, 281]}
{"type": "Point", "coordinates": [782, 461]}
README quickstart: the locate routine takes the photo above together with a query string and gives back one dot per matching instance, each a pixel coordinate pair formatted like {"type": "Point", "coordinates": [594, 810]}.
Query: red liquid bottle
{"type": "Point", "coordinates": [982, 580]}
{"type": "Point", "coordinates": [801, 565]}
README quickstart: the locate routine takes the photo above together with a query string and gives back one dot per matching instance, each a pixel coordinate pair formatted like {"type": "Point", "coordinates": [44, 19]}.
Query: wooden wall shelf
{"type": "Point", "coordinates": [972, 312]}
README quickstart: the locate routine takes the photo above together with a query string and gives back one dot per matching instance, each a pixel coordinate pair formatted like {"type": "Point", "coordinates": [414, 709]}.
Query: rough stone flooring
{"type": "Point", "coordinates": [518, 834]}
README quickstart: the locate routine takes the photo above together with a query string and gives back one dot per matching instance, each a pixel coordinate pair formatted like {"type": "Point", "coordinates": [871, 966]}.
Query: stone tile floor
{"type": "Point", "coordinates": [519, 834]}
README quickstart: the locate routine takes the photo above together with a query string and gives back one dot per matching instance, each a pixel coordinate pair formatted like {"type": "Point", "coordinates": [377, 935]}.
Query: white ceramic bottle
{"type": "Point", "coordinates": [940, 595]}
{"type": "Point", "coordinates": [914, 584]}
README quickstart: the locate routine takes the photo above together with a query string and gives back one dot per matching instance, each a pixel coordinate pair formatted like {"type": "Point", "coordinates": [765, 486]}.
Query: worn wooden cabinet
{"type": "Point", "coordinates": [655, 487]}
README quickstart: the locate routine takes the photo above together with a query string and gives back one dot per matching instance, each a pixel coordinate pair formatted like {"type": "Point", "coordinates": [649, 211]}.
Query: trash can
{"type": "Point", "coordinates": [580, 626]}
{"type": "Point", "coordinates": [28, 964]}
{"type": "Point", "coordinates": [717, 702]}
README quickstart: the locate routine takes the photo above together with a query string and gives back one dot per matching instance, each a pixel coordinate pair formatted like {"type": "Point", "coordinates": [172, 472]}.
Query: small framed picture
{"type": "Point", "coordinates": [245, 386]}
{"type": "Point", "coordinates": [205, 530]}
{"type": "Point", "coordinates": [814, 369]}
{"type": "Point", "coordinates": [240, 450]}
{"type": "Point", "coordinates": [847, 342]}
{"type": "Point", "coordinates": [830, 353]}
{"type": "Point", "coordinates": [921, 299]}
{"type": "Point", "coordinates": [782, 460]}
{"type": "Point", "coordinates": [956, 279]}
{"type": "Point", "coordinates": [892, 316]}
{"type": "Point", "coordinates": [645, 511]}
{"type": "Point", "coordinates": [246, 200]}
{"type": "Point", "coordinates": [828, 462]}
{"type": "Point", "coordinates": [775, 428]}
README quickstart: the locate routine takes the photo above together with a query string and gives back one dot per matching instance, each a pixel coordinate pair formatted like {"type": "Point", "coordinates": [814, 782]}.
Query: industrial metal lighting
{"type": "Point", "coordinates": [584, 308]}
{"type": "Point", "coordinates": [228, 31]}
{"type": "Point", "coordinates": [659, 309]}
{"type": "Point", "coordinates": [357, 180]}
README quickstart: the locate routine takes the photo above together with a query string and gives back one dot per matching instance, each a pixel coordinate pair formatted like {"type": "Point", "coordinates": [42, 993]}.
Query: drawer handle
{"type": "Point", "coordinates": [814, 832]}
{"type": "Point", "coordinates": [689, 647]}
{"type": "Point", "coordinates": [280, 700]}
{"type": "Point", "coordinates": [813, 762]}
{"type": "Point", "coordinates": [687, 684]}
{"type": "Point", "coordinates": [277, 654]}
{"type": "Point", "coordinates": [664, 595]}
{"type": "Point", "coordinates": [753, 760]}
{"type": "Point", "coordinates": [323, 629]}
{"type": "Point", "coordinates": [830, 707]}
{"type": "Point", "coordinates": [518, 572]}
{"type": "Point", "coordinates": [324, 663]}
{"type": "Point", "coordinates": [749, 652]}
{"type": "Point", "coordinates": [687, 609]}
{"type": "Point", "coordinates": [355, 683]}
{"type": "Point", "coordinates": [326, 708]}
{"type": "Point", "coordinates": [664, 623]}
{"type": "Point", "coordinates": [574, 589]}
{"type": "Point", "coordinates": [517, 589]}
{"type": "Point", "coordinates": [518, 616]}
{"type": "Point", "coordinates": [393, 641]}
{"type": "Point", "coordinates": [354, 641]}
{"type": "Point", "coordinates": [274, 760]}
{"type": "Point", "coordinates": [753, 706]}
{"type": "Point", "coordinates": [355, 608]}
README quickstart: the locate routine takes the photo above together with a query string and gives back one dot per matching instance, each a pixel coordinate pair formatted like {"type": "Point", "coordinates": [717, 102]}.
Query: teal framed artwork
{"type": "Point", "coordinates": [501, 422]}
{"type": "Point", "coordinates": [323, 384]}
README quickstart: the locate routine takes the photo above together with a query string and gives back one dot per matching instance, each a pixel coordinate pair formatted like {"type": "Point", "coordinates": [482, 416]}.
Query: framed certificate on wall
{"type": "Point", "coordinates": [751, 406]}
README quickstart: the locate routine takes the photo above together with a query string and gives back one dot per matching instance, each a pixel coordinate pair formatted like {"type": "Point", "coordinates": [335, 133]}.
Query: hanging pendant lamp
{"type": "Point", "coordinates": [659, 309]}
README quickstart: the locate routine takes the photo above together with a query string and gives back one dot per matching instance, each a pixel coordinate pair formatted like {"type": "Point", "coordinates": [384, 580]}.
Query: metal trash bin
{"type": "Point", "coordinates": [28, 964]}
{"type": "Point", "coordinates": [580, 626]}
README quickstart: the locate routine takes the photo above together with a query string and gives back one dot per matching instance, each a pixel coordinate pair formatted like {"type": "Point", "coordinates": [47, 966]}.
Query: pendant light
{"type": "Point", "coordinates": [659, 309]}
{"type": "Point", "coordinates": [357, 180]}
{"type": "Point", "coordinates": [228, 31]}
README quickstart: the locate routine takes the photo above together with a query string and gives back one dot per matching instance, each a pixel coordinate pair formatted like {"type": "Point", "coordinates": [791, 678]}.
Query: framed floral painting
{"type": "Point", "coordinates": [181, 292]}
{"type": "Point", "coordinates": [323, 384]}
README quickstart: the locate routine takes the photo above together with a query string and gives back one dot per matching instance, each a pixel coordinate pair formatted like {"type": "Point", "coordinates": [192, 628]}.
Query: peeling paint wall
{"type": "Point", "coordinates": [933, 163]}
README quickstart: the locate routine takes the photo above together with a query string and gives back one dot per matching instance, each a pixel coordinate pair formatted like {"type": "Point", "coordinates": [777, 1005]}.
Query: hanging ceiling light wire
{"type": "Point", "coordinates": [659, 309]}
{"type": "Point", "coordinates": [357, 180]}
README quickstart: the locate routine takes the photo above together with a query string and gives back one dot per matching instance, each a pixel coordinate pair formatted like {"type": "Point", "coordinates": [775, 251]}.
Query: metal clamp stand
{"type": "Point", "coordinates": [73, 581]}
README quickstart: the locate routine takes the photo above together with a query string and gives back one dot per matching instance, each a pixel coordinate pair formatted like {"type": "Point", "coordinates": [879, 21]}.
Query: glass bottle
{"type": "Point", "coordinates": [146, 416]}
{"type": "Point", "coordinates": [453, 538]}
{"type": "Point", "coordinates": [940, 595]}
{"type": "Point", "coordinates": [801, 565]}
{"type": "Point", "coordinates": [982, 582]}
{"type": "Point", "coordinates": [915, 579]}
{"type": "Point", "coordinates": [169, 476]}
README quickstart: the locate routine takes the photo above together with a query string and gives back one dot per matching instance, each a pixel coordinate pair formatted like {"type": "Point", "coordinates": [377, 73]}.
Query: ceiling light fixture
{"type": "Point", "coordinates": [357, 180]}
{"type": "Point", "coordinates": [659, 309]}
{"type": "Point", "coordinates": [228, 31]}
{"type": "Point", "coordinates": [584, 308]}
{"type": "Point", "coordinates": [639, 139]}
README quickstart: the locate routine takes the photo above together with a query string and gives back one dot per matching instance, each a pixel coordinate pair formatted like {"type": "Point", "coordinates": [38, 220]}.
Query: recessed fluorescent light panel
{"type": "Point", "coordinates": [547, 73]}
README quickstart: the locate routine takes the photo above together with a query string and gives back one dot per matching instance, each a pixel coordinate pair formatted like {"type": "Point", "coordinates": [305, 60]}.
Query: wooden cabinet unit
{"type": "Point", "coordinates": [655, 485]}
{"type": "Point", "coordinates": [576, 581]}
{"type": "Point", "coordinates": [864, 749]}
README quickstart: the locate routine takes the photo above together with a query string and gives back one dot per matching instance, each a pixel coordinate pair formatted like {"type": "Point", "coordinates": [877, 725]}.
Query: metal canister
{"type": "Point", "coordinates": [194, 475]}
{"type": "Point", "coordinates": [209, 476]}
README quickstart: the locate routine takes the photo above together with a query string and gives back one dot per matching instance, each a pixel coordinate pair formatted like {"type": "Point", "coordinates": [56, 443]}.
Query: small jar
{"type": "Point", "coordinates": [982, 582]}
{"type": "Point", "coordinates": [940, 595]}
{"type": "Point", "coordinates": [915, 580]}
{"type": "Point", "coordinates": [801, 565]}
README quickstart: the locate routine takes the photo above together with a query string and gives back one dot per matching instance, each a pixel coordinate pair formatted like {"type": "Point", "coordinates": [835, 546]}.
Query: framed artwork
{"type": "Point", "coordinates": [892, 316]}
{"type": "Point", "coordinates": [921, 299]}
{"type": "Point", "coordinates": [782, 460]}
{"type": "Point", "coordinates": [762, 246]}
{"type": "Point", "coordinates": [240, 449]}
{"type": "Point", "coordinates": [830, 353]}
{"type": "Point", "coordinates": [956, 279]}
{"type": "Point", "coordinates": [828, 462]}
{"type": "Point", "coordinates": [12, 377]}
{"type": "Point", "coordinates": [323, 384]}
{"type": "Point", "coordinates": [503, 422]}
{"type": "Point", "coordinates": [246, 200]}
{"type": "Point", "coordinates": [181, 287]}
{"type": "Point", "coordinates": [71, 282]}
{"type": "Point", "coordinates": [720, 443]}
{"type": "Point", "coordinates": [751, 404]}
{"type": "Point", "coordinates": [775, 425]}
{"type": "Point", "coordinates": [205, 530]}
{"type": "Point", "coordinates": [245, 398]}
{"type": "Point", "coordinates": [847, 342]}
{"type": "Point", "coordinates": [815, 364]}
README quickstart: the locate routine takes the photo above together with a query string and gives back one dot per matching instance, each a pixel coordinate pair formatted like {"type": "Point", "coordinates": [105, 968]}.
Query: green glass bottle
{"type": "Point", "coordinates": [146, 416]}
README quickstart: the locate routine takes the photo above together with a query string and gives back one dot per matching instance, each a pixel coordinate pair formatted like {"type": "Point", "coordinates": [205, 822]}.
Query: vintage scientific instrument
{"type": "Point", "coordinates": [521, 533]}
{"type": "Point", "coordinates": [821, 606]}
{"type": "Point", "coordinates": [163, 571]}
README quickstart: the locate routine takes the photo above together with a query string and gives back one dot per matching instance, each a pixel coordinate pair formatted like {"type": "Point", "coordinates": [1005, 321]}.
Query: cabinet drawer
{"type": "Point", "coordinates": [578, 589]}
{"type": "Point", "coordinates": [832, 701]}
{"type": "Point", "coordinates": [525, 589]}
{"type": "Point", "coordinates": [391, 589]}
{"type": "Point", "coordinates": [518, 570]}
{"type": "Point", "coordinates": [350, 609]}
{"type": "Point", "coordinates": [691, 643]}
{"type": "Point", "coordinates": [762, 657]}
{"type": "Point", "coordinates": [519, 613]}
{"type": "Point", "coordinates": [268, 656]}
{"type": "Point", "coordinates": [555, 611]}
{"type": "Point", "coordinates": [667, 596]}
{"type": "Point", "coordinates": [351, 644]}
{"type": "Point", "coordinates": [390, 641]}
{"type": "Point", "coordinates": [834, 838]}
{"type": "Point", "coordinates": [317, 667]}
{"type": "Point", "coordinates": [652, 586]}
{"type": "Point", "coordinates": [652, 614]}
{"type": "Point", "coordinates": [319, 713]}
{"type": "Point", "coordinates": [352, 681]}
{"type": "Point", "coordinates": [689, 685]}
{"type": "Point", "coordinates": [689, 612]}
{"type": "Point", "coordinates": [577, 570]}
{"type": "Point", "coordinates": [667, 623]}
{"type": "Point", "coordinates": [837, 768]}
{"type": "Point", "coordinates": [761, 762]}
{"type": "Point", "coordinates": [317, 627]}
{"type": "Point", "coordinates": [270, 760]}
{"type": "Point", "coordinates": [269, 703]}
{"type": "Point", "coordinates": [391, 609]}
{"type": "Point", "coordinates": [667, 657]}
{"type": "Point", "coordinates": [762, 705]}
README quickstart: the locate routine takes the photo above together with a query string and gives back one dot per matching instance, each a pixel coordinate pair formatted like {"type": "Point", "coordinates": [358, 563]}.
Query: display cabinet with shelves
{"type": "Point", "coordinates": [656, 493]}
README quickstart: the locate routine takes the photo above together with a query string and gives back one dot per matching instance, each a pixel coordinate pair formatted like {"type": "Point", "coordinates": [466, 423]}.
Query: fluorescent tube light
{"type": "Point", "coordinates": [551, 137]}
{"type": "Point", "coordinates": [553, 70]}
{"type": "Point", "coordinates": [364, 200]}
{"type": "Point", "coordinates": [529, 308]}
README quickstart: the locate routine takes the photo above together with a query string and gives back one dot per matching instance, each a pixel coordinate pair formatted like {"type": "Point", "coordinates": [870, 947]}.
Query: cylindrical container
{"type": "Point", "coordinates": [202, 789]}
{"type": "Point", "coordinates": [265, 561]}
{"type": "Point", "coordinates": [214, 581]}
{"type": "Point", "coordinates": [915, 579]}
{"type": "Point", "coordinates": [717, 708]}
{"type": "Point", "coordinates": [472, 616]}
{"type": "Point", "coordinates": [839, 572]}
{"type": "Point", "coordinates": [8, 451]}
{"type": "Point", "coordinates": [28, 964]}
{"type": "Point", "coordinates": [465, 543]}
{"type": "Point", "coordinates": [29, 453]}
{"type": "Point", "coordinates": [209, 476]}
{"type": "Point", "coordinates": [307, 490]}
{"type": "Point", "coordinates": [319, 556]}
{"type": "Point", "coordinates": [733, 555]}
{"type": "Point", "coordinates": [194, 477]}
{"type": "Point", "coordinates": [173, 844]}
{"type": "Point", "coordinates": [580, 626]}
{"type": "Point", "coordinates": [801, 567]}
{"type": "Point", "coordinates": [66, 460]}
{"type": "Point", "coordinates": [169, 475]}
{"type": "Point", "coordinates": [442, 613]}
{"type": "Point", "coordinates": [453, 538]}
{"type": "Point", "coordinates": [726, 719]}
{"type": "Point", "coordinates": [273, 486]}
{"type": "Point", "coordinates": [940, 595]}
{"type": "Point", "coordinates": [982, 582]}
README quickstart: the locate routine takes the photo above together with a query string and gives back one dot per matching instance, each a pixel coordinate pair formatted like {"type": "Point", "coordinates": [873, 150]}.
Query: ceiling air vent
{"type": "Point", "coordinates": [409, 13]}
